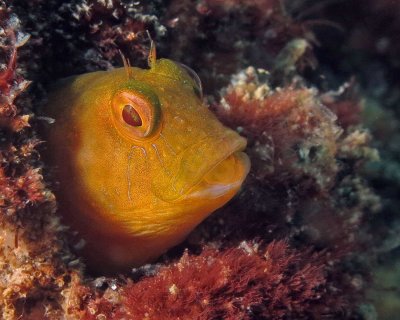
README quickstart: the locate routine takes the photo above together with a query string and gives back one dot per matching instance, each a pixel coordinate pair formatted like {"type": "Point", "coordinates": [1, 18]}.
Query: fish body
{"type": "Point", "coordinates": [140, 161]}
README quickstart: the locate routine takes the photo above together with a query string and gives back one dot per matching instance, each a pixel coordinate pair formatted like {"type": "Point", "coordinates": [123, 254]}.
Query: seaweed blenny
{"type": "Point", "coordinates": [141, 161]}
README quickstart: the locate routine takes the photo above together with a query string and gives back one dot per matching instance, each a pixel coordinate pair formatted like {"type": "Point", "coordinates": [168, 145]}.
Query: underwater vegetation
{"type": "Point", "coordinates": [313, 232]}
{"type": "Point", "coordinates": [244, 282]}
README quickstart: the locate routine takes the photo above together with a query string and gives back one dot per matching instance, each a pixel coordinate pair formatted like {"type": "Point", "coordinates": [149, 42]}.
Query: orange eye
{"type": "Point", "coordinates": [136, 112]}
{"type": "Point", "coordinates": [131, 116]}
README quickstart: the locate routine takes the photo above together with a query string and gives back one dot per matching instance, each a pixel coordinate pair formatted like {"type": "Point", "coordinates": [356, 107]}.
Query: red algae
{"type": "Point", "coordinates": [248, 282]}
{"type": "Point", "coordinates": [20, 182]}
{"type": "Point", "coordinates": [306, 168]}
{"type": "Point", "coordinates": [258, 31]}
{"type": "Point", "coordinates": [32, 271]}
{"type": "Point", "coordinates": [290, 130]}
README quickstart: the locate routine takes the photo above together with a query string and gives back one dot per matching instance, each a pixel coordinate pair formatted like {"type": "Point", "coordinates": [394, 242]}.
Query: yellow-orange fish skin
{"type": "Point", "coordinates": [140, 161]}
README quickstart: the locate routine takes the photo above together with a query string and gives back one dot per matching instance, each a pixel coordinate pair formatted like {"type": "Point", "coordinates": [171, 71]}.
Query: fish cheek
{"type": "Point", "coordinates": [137, 177]}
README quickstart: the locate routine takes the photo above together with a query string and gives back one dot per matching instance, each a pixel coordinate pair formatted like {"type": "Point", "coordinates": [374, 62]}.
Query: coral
{"type": "Point", "coordinates": [385, 291]}
{"type": "Point", "coordinates": [21, 183]}
{"type": "Point", "coordinates": [31, 250]}
{"type": "Point", "coordinates": [289, 130]}
{"type": "Point", "coordinates": [345, 103]}
{"type": "Point", "coordinates": [306, 181]}
{"type": "Point", "coordinates": [258, 31]}
{"type": "Point", "coordinates": [92, 33]}
{"type": "Point", "coordinates": [250, 282]}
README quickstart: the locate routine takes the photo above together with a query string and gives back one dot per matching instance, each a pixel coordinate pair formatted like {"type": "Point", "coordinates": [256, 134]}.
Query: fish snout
{"type": "Point", "coordinates": [213, 167]}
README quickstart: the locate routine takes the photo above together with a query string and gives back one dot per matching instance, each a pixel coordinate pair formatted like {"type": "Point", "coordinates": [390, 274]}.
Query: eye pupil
{"type": "Point", "coordinates": [131, 116]}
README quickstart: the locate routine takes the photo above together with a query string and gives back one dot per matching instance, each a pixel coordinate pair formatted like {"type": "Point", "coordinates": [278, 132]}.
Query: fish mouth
{"type": "Point", "coordinates": [223, 179]}
{"type": "Point", "coordinates": [212, 168]}
{"type": "Point", "coordinates": [211, 172]}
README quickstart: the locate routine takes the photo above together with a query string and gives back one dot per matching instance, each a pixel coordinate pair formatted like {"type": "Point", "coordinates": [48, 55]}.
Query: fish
{"type": "Point", "coordinates": [140, 160]}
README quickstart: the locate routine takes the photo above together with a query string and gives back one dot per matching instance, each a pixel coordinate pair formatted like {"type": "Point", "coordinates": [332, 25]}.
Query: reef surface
{"type": "Point", "coordinates": [313, 233]}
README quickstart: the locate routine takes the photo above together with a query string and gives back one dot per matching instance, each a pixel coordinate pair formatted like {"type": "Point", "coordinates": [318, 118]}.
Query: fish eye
{"type": "Point", "coordinates": [136, 113]}
{"type": "Point", "coordinates": [198, 88]}
{"type": "Point", "coordinates": [131, 116]}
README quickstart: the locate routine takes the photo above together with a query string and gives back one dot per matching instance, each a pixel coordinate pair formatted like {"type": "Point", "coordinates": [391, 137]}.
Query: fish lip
{"type": "Point", "coordinates": [217, 190]}
{"type": "Point", "coordinates": [237, 145]}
